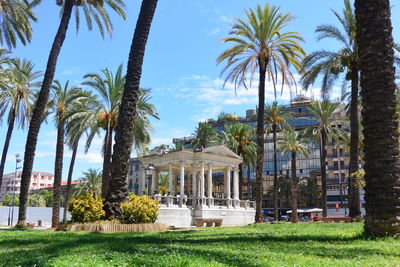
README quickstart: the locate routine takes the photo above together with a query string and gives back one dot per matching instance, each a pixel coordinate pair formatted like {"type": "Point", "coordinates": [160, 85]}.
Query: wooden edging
{"type": "Point", "coordinates": [145, 227]}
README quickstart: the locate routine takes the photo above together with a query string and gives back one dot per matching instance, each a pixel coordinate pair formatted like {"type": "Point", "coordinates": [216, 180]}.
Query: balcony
{"type": "Point", "coordinates": [336, 168]}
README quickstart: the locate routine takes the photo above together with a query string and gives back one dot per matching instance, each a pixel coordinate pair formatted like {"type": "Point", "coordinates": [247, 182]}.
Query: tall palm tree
{"type": "Point", "coordinates": [91, 10]}
{"type": "Point", "coordinates": [380, 123]}
{"type": "Point", "coordinates": [293, 144]}
{"type": "Point", "coordinates": [261, 42]}
{"type": "Point", "coordinates": [276, 120]}
{"type": "Point", "coordinates": [330, 65]}
{"type": "Point", "coordinates": [77, 122]}
{"type": "Point", "coordinates": [325, 114]}
{"type": "Point", "coordinates": [239, 138]}
{"type": "Point", "coordinates": [128, 110]}
{"type": "Point", "coordinates": [15, 20]}
{"type": "Point", "coordinates": [17, 99]}
{"type": "Point", "coordinates": [205, 136]}
{"type": "Point", "coordinates": [63, 98]}
{"type": "Point", "coordinates": [90, 183]}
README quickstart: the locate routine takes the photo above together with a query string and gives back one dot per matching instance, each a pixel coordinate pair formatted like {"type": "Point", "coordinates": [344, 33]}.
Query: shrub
{"type": "Point", "coordinates": [140, 209]}
{"type": "Point", "coordinates": [86, 208]}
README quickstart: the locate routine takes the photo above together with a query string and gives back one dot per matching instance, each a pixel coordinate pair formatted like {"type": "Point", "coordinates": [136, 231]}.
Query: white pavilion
{"type": "Point", "coordinates": [191, 197]}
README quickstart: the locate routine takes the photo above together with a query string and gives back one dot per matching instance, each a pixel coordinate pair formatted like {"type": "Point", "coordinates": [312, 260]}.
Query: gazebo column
{"type": "Point", "coordinates": [194, 182]}
{"type": "Point", "coordinates": [182, 184]}
{"type": "Point", "coordinates": [156, 181]}
{"type": "Point", "coordinates": [236, 187]}
{"type": "Point", "coordinates": [228, 186]}
{"type": "Point", "coordinates": [171, 179]}
{"type": "Point", "coordinates": [143, 181]}
{"type": "Point", "coordinates": [209, 185]}
{"type": "Point", "coordinates": [202, 193]}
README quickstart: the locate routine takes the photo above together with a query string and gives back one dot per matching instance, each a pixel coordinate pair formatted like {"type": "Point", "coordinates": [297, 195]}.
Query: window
{"type": "Point", "coordinates": [42, 177]}
{"type": "Point", "coordinates": [334, 151]}
{"type": "Point", "coordinates": [341, 164]}
{"type": "Point", "coordinates": [341, 151]}
{"type": "Point", "coordinates": [41, 185]}
{"type": "Point", "coordinates": [137, 167]}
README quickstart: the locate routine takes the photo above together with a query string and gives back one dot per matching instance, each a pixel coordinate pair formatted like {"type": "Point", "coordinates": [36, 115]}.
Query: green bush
{"type": "Point", "coordinates": [140, 209]}
{"type": "Point", "coordinates": [86, 208]}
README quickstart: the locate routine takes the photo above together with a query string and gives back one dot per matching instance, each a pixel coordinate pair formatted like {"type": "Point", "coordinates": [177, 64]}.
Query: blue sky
{"type": "Point", "coordinates": [179, 66]}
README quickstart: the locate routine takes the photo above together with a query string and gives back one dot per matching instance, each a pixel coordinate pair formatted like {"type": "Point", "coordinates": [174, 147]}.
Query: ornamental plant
{"type": "Point", "coordinates": [86, 208]}
{"type": "Point", "coordinates": [139, 209]}
{"type": "Point", "coordinates": [359, 177]}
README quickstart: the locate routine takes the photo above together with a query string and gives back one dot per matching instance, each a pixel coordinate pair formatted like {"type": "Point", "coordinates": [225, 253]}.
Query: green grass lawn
{"type": "Point", "coordinates": [261, 245]}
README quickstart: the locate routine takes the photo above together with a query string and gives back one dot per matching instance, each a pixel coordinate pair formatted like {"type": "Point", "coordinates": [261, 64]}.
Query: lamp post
{"type": "Point", "coordinates": [149, 170]}
{"type": "Point", "coordinates": [11, 208]}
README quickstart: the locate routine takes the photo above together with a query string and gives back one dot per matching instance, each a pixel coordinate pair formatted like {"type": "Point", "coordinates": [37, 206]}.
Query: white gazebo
{"type": "Point", "coordinates": [191, 195]}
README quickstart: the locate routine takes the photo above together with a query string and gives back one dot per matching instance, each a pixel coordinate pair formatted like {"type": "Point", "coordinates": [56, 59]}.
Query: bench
{"type": "Point", "coordinates": [336, 219]}
{"type": "Point", "coordinates": [208, 222]}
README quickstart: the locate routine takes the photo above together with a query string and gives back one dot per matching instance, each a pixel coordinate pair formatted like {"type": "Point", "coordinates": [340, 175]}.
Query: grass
{"type": "Point", "coordinates": [256, 245]}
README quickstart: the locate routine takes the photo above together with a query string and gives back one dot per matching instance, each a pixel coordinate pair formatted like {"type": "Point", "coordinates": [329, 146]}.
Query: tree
{"type": "Point", "coordinates": [163, 183]}
{"type": "Point", "coordinates": [16, 17]}
{"type": "Point", "coordinates": [276, 120]}
{"type": "Point", "coordinates": [261, 42]}
{"type": "Point", "coordinates": [63, 99]}
{"type": "Point", "coordinates": [17, 99]}
{"type": "Point", "coordinates": [293, 144]}
{"type": "Point", "coordinates": [325, 115]}
{"type": "Point", "coordinates": [89, 183]}
{"type": "Point", "coordinates": [91, 9]}
{"type": "Point", "coordinates": [205, 136]}
{"type": "Point", "coordinates": [379, 119]}
{"type": "Point", "coordinates": [8, 200]}
{"type": "Point", "coordinates": [330, 65]}
{"type": "Point", "coordinates": [128, 110]}
{"type": "Point", "coordinates": [239, 138]}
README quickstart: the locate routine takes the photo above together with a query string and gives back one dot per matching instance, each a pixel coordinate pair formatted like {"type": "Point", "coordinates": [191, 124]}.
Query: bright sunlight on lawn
{"type": "Point", "coordinates": [260, 245]}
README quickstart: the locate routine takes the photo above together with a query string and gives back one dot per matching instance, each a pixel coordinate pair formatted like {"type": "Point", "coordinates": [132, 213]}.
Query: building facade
{"type": "Point", "coordinates": [12, 182]}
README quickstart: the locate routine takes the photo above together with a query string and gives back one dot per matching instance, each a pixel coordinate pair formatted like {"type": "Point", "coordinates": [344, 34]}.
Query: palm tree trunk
{"type": "Point", "coordinates": [105, 183]}
{"type": "Point", "coordinates": [248, 183]}
{"type": "Point", "coordinates": [55, 217]}
{"type": "Point", "coordinates": [293, 190]}
{"type": "Point", "coordinates": [69, 180]}
{"type": "Point", "coordinates": [123, 135]}
{"type": "Point", "coordinates": [380, 122]}
{"type": "Point", "coordinates": [275, 175]}
{"type": "Point", "coordinates": [323, 174]}
{"type": "Point", "coordinates": [260, 139]}
{"type": "Point", "coordinates": [38, 112]}
{"type": "Point", "coordinates": [354, 191]}
{"type": "Point", "coordinates": [6, 144]}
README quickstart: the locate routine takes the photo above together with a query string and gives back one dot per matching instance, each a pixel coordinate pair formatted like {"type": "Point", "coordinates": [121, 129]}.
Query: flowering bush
{"type": "Point", "coordinates": [140, 209]}
{"type": "Point", "coordinates": [86, 208]}
{"type": "Point", "coordinates": [359, 177]}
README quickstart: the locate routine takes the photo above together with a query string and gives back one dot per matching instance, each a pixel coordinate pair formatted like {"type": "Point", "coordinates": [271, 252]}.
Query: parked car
{"type": "Point", "coordinates": [284, 218]}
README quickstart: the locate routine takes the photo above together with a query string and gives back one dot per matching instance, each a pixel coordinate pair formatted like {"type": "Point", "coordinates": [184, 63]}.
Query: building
{"type": "Point", "coordinates": [337, 160]}
{"type": "Point", "coordinates": [135, 175]}
{"type": "Point", "coordinates": [38, 180]}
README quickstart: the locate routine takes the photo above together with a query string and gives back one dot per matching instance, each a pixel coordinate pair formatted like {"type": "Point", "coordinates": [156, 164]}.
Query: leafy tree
{"type": "Point", "coordinates": [380, 123]}
{"type": "Point", "coordinates": [16, 17]}
{"type": "Point", "coordinates": [36, 200]}
{"type": "Point", "coordinates": [17, 98]}
{"type": "Point", "coordinates": [8, 200]}
{"type": "Point", "coordinates": [325, 115]}
{"type": "Point", "coordinates": [261, 45]}
{"type": "Point", "coordinates": [205, 136]}
{"type": "Point", "coordinates": [293, 144]}
{"type": "Point", "coordinates": [63, 98]}
{"type": "Point", "coordinates": [91, 10]}
{"type": "Point", "coordinates": [124, 134]}
{"type": "Point", "coordinates": [276, 119]}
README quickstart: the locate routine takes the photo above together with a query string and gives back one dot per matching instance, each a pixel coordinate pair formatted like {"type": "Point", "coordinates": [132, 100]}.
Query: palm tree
{"type": "Point", "coordinates": [276, 120]}
{"type": "Point", "coordinates": [325, 115]}
{"type": "Point", "coordinates": [330, 65]}
{"type": "Point", "coordinates": [163, 183]}
{"type": "Point", "coordinates": [239, 138]}
{"type": "Point", "coordinates": [78, 120]}
{"type": "Point", "coordinates": [205, 136]}
{"type": "Point", "coordinates": [261, 43]}
{"type": "Point", "coordinates": [127, 114]}
{"type": "Point", "coordinates": [380, 123]}
{"type": "Point", "coordinates": [17, 98]}
{"type": "Point", "coordinates": [293, 144]}
{"type": "Point", "coordinates": [91, 10]}
{"type": "Point", "coordinates": [16, 17]}
{"type": "Point", "coordinates": [63, 98]}
{"type": "Point", "coordinates": [90, 183]}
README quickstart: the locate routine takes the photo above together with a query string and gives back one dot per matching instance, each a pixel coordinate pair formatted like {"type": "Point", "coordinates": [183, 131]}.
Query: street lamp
{"type": "Point", "coordinates": [11, 208]}
{"type": "Point", "coordinates": [149, 170]}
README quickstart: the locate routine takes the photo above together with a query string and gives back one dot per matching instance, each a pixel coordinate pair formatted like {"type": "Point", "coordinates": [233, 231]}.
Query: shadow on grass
{"type": "Point", "coordinates": [32, 248]}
